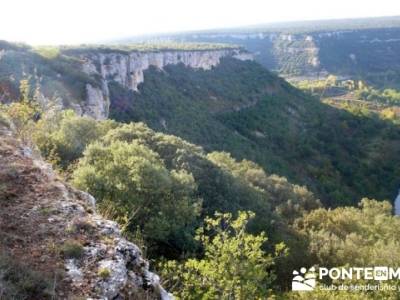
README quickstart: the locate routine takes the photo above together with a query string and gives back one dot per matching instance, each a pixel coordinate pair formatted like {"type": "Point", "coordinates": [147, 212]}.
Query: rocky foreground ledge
{"type": "Point", "coordinates": [53, 229]}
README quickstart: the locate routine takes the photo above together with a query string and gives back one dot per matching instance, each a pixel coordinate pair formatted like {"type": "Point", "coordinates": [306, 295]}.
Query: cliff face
{"type": "Point", "coordinates": [54, 230]}
{"type": "Point", "coordinates": [79, 79]}
{"type": "Point", "coordinates": [128, 70]}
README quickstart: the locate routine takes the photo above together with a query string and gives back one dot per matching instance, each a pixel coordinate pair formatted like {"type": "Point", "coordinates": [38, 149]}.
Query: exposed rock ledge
{"type": "Point", "coordinates": [128, 70]}
{"type": "Point", "coordinates": [42, 214]}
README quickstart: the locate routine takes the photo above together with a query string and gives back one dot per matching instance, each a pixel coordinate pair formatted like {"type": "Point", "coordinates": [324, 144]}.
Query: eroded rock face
{"type": "Point", "coordinates": [55, 217]}
{"type": "Point", "coordinates": [128, 70]}
{"type": "Point", "coordinates": [97, 102]}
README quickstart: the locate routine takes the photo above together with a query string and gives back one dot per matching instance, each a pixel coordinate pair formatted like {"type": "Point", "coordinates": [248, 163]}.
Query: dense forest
{"type": "Point", "coordinates": [242, 108]}
{"type": "Point", "coordinates": [228, 179]}
{"type": "Point", "coordinates": [194, 211]}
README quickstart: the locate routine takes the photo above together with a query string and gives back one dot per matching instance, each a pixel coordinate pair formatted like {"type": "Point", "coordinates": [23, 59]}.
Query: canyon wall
{"type": "Point", "coordinates": [127, 69]}
{"type": "Point", "coordinates": [79, 78]}
{"type": "Point", "coordinates": [315, 52]}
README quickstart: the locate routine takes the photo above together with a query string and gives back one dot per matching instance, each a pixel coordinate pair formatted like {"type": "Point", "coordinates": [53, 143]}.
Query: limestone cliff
{"type": "Point", "coordinates": [50, 229]}
{"type": "Point", "coordinates": [127, 69]}
{"type": "Point", "coordinates": [78, 78]}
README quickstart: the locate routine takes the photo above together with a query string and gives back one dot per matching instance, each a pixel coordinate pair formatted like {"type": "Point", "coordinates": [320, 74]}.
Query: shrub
{"type": "Point", "coordinates": [233, 267]}
{"type": "Point", "coordinates": [19, 281]}
{"type": "Point", "coordinates": [104, 273]}
{"type": "Point", "coordinates": [72, 249]}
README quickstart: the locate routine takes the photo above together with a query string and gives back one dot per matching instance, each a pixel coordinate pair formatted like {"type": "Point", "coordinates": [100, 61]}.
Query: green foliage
{"type": "Point", "coordinates": [350, 237]}
{"type": "Point", "coordinates": [335, 295]}
{"type": "Point", "coordinates": [72, 249]}
{"type": "Point", "coordinates": [20, 281]}
{"type": "Point", "coordinates": [361, 236]}
{"type": "Point", "coordinates": [4, 119]}
{"type": "Point", "coordinates": [22, 114]}
{"type": "Point", "coordinates": [63, 137]}
{"type": "Point", "coordinates": [241, 108]}
{"type": "Point", "coordinates": [143, 47]}
{"type": "Point", "coordinates": [142, 192]}
{"type": "Point", "coordinates": [152, 183]}
{"type": "Point", "coordinates": [233, 267]}
{"type": "Point", "coordinates": [57, 75]}
{"type": "Point", "coordinates": [48, 52]}
{"type": "Point", "coordinates": [104, 273]}
{"type": "Point", "coordinates": [386, 96]}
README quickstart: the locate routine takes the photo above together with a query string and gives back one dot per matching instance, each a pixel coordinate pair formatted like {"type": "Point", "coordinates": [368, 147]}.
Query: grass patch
{"type": "Point", "coordinates": [72, 249]}
{"type": "Point", "coordinates": [104, 273]}
{"type": "Point", "coordinates": [18, 281]}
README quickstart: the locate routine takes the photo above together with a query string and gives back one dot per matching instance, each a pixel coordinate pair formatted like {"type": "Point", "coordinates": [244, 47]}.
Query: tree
{"type": "Point", "coordinates": [361, 236]}
{"type": "Point", "coordinates": [233, 267]}
{"type": "Point", "coordinates": [24, 91]}
{"type": "Point", "coordinates": [63, 136]}
{"type": "Point", "coordinates": [133, 187]}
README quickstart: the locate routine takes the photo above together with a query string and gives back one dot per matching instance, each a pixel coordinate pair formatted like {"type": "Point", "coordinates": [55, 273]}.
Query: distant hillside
{"type": "Point", "coordinates": [77, 77]}
{"type": "Point", "coordinates": [363, 48]}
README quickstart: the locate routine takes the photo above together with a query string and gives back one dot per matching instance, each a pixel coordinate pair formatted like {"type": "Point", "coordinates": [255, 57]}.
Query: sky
{"type": "Point", "coordinates": [88, 21]}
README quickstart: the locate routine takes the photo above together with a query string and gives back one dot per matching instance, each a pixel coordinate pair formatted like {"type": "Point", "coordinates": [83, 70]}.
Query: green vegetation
{"type": "Point", "coordinates": [49, 52]}
{"type": "Point", "coordinates": [19, 281]}
{"type": "Point", "coordinates": [72, 249]}
{"type": "Point", "coordinates": [350, 236]}
{"type": "Point", "coordinates": [386, 96]}
{"type": "Point", "coordinates": [63, 137]}
{"type": "Point", "coordinates": [233, 267]}
{"type": "Point", "coordinates": [241, 108]}
{"type": "Point", "coordinates": [4, 120]}
{"type": "Point", "coordinates": [140, 47]}
{"type": "Point", "coordinates": [104, 273]}
{"type": "Point", "coordinates": [164, 185]}
{"type": "Point", "coordinates": [203, 213]}
{"type": "Point", "coordinates": [364, 48]}
{"type": "Point", "coordinates": [161, 188]}
{"type": "Point", "coordinates": [135, 187]}
{"type": "Point", "coordinates": [47, 72]}
{"type": "Point", "coordinates": [345, 235]}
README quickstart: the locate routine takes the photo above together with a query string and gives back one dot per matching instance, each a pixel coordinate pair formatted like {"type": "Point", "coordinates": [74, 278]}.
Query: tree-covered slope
{"type": "Point", "coordinates": [50, 74]}
{"type": "Point", "coordinates": [242, 108]}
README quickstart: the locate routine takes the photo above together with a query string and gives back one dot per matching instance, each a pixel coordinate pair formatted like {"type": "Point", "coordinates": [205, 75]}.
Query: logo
{"type": "Point", "coordinates": [305, 280]}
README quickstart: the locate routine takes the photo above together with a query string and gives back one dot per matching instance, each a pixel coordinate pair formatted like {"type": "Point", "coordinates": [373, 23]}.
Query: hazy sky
{"type": "Point", "coordinates": [78, 21]}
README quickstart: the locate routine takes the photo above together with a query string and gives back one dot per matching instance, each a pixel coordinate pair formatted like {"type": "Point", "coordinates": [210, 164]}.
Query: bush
{"type": "Point", "coordinates": [19, 281]}
{"type": "Point", "coordinates": [72, 249]}
{"type": "Point", "coordinates": [133, 186]}
{"type": "Point", "coordinates": [63, 137]}
{"type": "Point", "coordinates": [104, 273]}
{"type": "Point", "coordinates": [233, 266]}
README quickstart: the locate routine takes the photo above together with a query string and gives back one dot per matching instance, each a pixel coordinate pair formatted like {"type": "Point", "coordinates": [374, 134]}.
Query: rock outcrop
{"type": "Point", "coordinates": [63, 234]}
{"type": "Point", "coordinates": [79, 78]}
{"type": "Point", "coordinates": [97, 102]}
{"type": "Point", "coordinates": [127, 69]}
